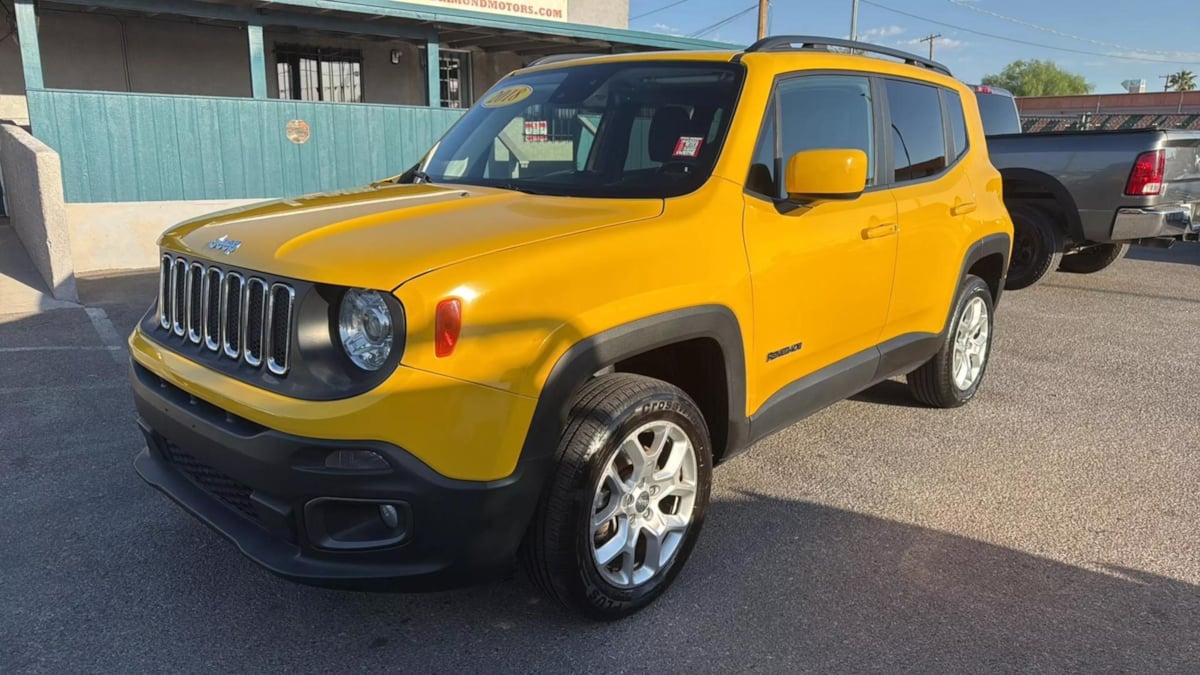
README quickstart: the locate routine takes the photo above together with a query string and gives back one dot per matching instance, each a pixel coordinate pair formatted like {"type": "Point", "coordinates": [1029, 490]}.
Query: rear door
{"type": "Point", "coordinates": [933, 198]}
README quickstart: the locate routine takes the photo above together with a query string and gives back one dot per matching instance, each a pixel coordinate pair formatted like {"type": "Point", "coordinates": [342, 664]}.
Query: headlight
{"type": "Point", "coordinates": [365, 326]}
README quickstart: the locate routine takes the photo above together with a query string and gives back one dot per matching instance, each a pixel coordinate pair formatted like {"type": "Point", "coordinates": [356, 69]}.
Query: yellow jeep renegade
{"type": "Point", "coordinates": [612, 274]}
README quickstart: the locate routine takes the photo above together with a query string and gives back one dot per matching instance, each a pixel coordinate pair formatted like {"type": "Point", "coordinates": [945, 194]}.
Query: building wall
{"type": "Point", "coordinates": [1162, 102]}
{"type": "Point", "coordinates": [611, 13]}
{"type": "Point", "coordinates": [487, 69]}
{"type": "Point", "coordinates": [34, 193]}
{"type": "Point", "coordinates": [104, 52]}
{"type": "Point", "coordinates": [161, 56]}
{"type": "Point", "coordinates": [12, 79]}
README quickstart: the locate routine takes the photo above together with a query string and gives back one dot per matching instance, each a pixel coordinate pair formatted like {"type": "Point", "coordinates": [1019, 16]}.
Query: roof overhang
{"type": "Point", "coordinates": [453, 28]}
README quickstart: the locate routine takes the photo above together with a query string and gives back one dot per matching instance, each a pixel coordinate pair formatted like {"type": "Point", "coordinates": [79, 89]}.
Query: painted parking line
{"type": "Point", "coordinates": [75, 348]}
{"type": "Point", "coordinates": [108, 334]}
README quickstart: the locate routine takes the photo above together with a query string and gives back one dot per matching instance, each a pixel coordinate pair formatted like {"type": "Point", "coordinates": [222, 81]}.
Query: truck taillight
{"type": "Point", "coordinates": [1147, 176]}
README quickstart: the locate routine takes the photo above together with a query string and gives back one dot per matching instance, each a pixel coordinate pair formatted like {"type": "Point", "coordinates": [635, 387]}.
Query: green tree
{"type": "Point", "coordinates": [1184, 80]}
{"type": "Point", "coordinates": [1038, 78]}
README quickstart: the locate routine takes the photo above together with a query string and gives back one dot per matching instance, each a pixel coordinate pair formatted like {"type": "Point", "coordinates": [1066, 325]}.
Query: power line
{"type": "Point", "coordinates": [1028, 24]}
{"type": "Point", "coordinates": [726, 21]}
{"type": "Point", "coordinates": [656, 11]}
{"type": "Point", "coordinates": [1019, 41]}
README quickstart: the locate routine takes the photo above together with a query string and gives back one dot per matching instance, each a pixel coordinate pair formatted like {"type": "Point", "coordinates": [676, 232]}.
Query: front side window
{"type": "Point", "coordinates": [816, 112]}
{"type": "Point", "coordinates": [633, 129]}
{"type": "Point", "coordinates": [309, 73]}
{"type": "Point", "coordinates": [918, 139]}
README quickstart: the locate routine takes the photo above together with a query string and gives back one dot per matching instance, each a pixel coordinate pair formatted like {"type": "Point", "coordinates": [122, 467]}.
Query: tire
{"type": "Point", "coordinates": [562, 550]}
{"type": "Point", "coordinates": [938, 383]}
{"type": "Point", "coordinates": [1037, 246]}
{"type": "Point", "coordinates": [1093, 258]}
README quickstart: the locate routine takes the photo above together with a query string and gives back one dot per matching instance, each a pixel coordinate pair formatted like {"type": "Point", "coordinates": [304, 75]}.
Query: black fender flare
{"type": "Point", "coordinates": [1055, 188]}
{"type": "Point", "coordinates": [993, 244]}
{"type": "Point", "coordinates": [592, 354]}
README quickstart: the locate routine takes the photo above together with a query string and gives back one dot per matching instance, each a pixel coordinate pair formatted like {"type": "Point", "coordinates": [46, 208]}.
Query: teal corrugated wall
{"type": "Point", "coordinates": [118, 147]}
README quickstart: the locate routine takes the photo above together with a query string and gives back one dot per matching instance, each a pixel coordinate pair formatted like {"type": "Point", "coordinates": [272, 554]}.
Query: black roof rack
{"type": "Point", "coordinates": [780, 43]}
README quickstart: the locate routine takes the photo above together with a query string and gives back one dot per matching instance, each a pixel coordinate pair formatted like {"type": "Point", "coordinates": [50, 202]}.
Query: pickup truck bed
{"type": "Point", "coordinates": [1079, 198]}
{"type": "Point", "coordinates": [1085, 173]}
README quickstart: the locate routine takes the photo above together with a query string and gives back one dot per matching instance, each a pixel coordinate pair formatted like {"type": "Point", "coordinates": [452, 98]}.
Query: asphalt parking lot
{"type": "Point", "coordinates": [1052, 525]}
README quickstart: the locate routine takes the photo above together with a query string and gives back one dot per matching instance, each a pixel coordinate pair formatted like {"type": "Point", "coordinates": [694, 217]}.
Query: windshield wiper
{"type": "Point", "coordinates": [419, 176]}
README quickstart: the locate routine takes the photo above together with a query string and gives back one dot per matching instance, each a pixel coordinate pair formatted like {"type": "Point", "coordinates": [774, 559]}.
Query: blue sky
{"type": "Point", "coordinates": [1122, 42]}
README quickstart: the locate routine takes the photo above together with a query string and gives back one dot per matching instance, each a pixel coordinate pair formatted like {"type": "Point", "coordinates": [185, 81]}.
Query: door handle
{"type": "Point", "coordinates": [962, 208]}
{"type": "Point", "coordinates": [881, 231]}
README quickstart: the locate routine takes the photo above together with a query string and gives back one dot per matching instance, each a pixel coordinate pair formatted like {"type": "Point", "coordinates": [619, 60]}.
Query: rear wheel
{"type": "Point", "coordinates": [627, 500]}
{"type": "Point", "coordinates": [1037, 246]}
{"type": "Point", "coordinates": [951, 378]}
{"type": "Point", "coordinates": [1093, 258]}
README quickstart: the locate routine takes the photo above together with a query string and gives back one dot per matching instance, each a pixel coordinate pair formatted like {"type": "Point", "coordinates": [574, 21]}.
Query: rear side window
{"type": "Point", "coordinates": [957, 121]}
{"type": "Point", "coordinates": [918, 139]}
{"type": "Point", "coordinates": [814, 112]}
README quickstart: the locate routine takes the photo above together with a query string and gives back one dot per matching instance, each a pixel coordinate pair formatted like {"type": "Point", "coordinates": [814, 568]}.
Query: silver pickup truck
{"type": "Point", "coordinates": [1078, 199]}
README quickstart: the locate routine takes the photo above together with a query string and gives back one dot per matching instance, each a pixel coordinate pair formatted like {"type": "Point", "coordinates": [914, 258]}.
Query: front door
{"type": "Point", "coordinates": [821, 273]}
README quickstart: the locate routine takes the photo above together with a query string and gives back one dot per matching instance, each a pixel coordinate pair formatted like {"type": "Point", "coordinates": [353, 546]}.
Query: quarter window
{"type": "Point", "coordinates": [918, 139]}
{"type": "Point", "coordinates": [958, 122]}
{"type": "Point", "coordinates": [814, 113]}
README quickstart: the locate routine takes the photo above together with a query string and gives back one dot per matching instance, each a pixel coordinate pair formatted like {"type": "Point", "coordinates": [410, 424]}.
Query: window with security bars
{"type": "Point", "coordinates": [319, 74]}
{"type": "Point", "coordinates": [455, 74]}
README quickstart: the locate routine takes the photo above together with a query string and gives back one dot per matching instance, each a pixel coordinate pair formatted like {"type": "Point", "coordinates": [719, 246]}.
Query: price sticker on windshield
{"type": "Point", "coordinates": [508, 96]}
{"type": "Point", "coordinates": [688, 146]}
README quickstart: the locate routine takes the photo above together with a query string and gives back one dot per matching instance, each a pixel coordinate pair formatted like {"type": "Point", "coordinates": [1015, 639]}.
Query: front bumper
{"type": "Point", "coordinates": [1176, 221]}
{"type": "Point", "coordinates": [257, 487]}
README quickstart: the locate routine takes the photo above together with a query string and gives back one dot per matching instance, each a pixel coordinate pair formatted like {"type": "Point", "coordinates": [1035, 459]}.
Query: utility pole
{"type": "Point", "coordinates": [930, 38]}
{"type": "Point", "coordinates": [1166, 82]}
{"type": "Point", "coordinates": [853, 19]}
{"type": "Point", "coordinates": [762, 18]}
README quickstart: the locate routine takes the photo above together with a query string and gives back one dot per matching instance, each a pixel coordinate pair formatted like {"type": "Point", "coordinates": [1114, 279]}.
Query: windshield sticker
{"type": "Point", "coordinates": [508, 96]}
{"type": "Point", "coordinates": [688, 146]}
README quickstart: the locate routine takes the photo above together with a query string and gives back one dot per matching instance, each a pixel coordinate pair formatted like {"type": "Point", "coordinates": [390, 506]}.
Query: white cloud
{"type": "Point", "coordinates": [664, 28]}
{"type": "Point", "coordinates": [882, 32]}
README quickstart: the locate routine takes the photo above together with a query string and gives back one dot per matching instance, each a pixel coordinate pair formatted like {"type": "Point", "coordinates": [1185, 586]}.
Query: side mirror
{"type": "Point", "coordinates": [839, 173]}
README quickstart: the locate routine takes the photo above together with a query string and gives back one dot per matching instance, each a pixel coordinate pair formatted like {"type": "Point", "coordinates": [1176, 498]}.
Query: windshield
{"type": "Point", "coordinates": [999, 113]}
{"type": "Point", "coordinates": [627, 129]}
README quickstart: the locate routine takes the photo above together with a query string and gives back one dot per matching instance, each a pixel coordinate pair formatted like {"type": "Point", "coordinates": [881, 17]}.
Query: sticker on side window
{"type": "Point", "coordinates": [688, 146]}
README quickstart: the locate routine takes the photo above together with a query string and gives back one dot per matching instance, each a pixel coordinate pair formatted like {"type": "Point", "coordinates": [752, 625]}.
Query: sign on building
{"type": "Point", "coordinates": [552, 10]}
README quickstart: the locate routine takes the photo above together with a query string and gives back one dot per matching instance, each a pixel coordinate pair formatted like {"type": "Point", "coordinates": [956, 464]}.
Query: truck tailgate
{"type": "Point", "coordinates": [1182, 167]}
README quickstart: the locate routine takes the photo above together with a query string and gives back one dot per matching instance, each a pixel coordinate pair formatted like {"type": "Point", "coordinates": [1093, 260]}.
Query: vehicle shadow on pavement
{"type": "Point", "coordinates": [1186, 253]}
{"type": "Point", "coordinates": [889, 392]}
{"type": "Point", "coordinates": [773, 585]}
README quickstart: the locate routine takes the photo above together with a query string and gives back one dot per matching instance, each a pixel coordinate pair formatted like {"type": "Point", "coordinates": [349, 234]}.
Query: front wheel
{"type": "Point", "coordinates": [951, 378]}
{"type": "Point", "coordinates": [1093, 258]}
{"type": "Point", "coordinates": [627, 500]}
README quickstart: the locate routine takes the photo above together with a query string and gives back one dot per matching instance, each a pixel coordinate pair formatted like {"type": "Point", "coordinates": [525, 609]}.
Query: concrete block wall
{"type": "Point", "coordinates": [34, 195]}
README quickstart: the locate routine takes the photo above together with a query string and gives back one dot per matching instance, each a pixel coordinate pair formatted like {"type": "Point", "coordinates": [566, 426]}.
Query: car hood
{"type": "Point", "coordinates": [381, 236]}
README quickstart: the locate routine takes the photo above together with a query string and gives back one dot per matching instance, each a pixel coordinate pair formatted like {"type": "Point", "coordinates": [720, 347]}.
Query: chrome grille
{"type": "Point", "coordinates": [245, 318]}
